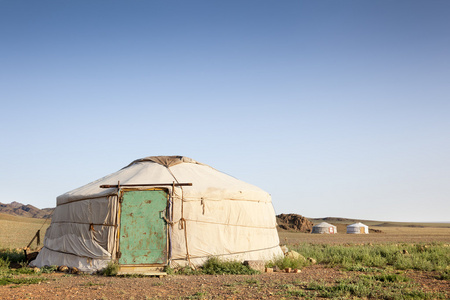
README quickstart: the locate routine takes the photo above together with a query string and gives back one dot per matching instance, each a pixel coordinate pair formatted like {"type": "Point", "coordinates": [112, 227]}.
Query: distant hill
{"type": "Point", "coordinates": [294, 222]}
{"type": "Point", "coordinates": [29, 211]}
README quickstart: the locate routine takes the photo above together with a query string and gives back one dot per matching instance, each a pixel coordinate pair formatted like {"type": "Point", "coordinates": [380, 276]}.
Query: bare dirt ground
{"type": "Point", "coordinates": [263, 286]}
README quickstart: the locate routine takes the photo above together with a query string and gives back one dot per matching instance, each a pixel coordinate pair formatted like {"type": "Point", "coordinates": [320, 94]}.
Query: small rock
{"type": "Point", "coordinates": [63, 269]}
{"type": "Point", "coordinates": [285, 249]}
{"type": "Point", "coordinates": [258, 265]}
{"type": "Point", "coordinates": [312, 260]}
{"type": "Point", "coordinates": [36, 270]}
{"type": "Point", "coordinates": [295, 255]}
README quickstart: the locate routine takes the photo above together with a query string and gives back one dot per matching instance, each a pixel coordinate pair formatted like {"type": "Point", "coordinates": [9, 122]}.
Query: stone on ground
{"type": "Point", "coordinates": [312, 260]}
{"type": "Point", "coordinates": [295, 255]}
{"type": "Point", "coordinates": [258, 265]}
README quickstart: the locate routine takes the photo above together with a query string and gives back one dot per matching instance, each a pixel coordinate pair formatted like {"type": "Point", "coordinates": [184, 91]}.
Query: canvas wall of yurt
{"type": "Point", "coordinates": [161, 210]}
{"type": "Point", "coordinates": [324, 227]}
{"type": "Point", "coordinates": [358, 228]}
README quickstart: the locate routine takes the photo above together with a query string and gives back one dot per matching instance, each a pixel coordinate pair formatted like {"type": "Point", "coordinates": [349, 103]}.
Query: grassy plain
{"type": "Point", "coordinates": [391, 232]}
{"type": "Point", "coordinates": [17, 232]}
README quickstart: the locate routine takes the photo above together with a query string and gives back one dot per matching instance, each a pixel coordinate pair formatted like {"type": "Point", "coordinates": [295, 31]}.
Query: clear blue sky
{"type": "Point", "coordinates": [336, 108]}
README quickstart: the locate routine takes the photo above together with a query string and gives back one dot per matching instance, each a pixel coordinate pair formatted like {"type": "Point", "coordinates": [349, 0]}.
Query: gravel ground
{"type": "Point", "coordinates": [263, 286]}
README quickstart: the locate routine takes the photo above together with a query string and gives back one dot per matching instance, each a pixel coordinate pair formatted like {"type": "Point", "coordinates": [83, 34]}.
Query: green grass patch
{"type": "Point", "coordinates": [49, 269]}
{"type": "Point", "coordinates": [169, 270]}
{"type": "Point", "coordinates": [252, 281]}
{"type": "Point", "coordinates": [198, 295]}
{"type": "Point", "coordinates": [444, 275]}
{"type": "Point", "coordinates": [24, 270]}
{"type": "Point", "coordinates": [5, 280]}
{"type": "Point", "coordinates": [360, 268]}
{"type": "Point", "coordinates": [287, 262]}
{"type": "Point", "coordinates": [214, 266]}
{"type": "Point", "coordinates": [182, 271]}
{"type": "Point", "coordinates": [93, 284]}
{"type": "Point", "coordinates": [388, 277]}
{"type": "Point", "coordinates": [424, 257]}
{"type": "Point", "coordinates": [296, 293]}
{"type": "Point", "coordinates": [20, 276]}
{"type": "Point", "coordinates": [12, 255]}
{"type": "Point", "coordinates": [387, 286]}
{"type": "Point", "coordinates": [111, 269]}
{"type": "Point", "coordinates": [4, 265]}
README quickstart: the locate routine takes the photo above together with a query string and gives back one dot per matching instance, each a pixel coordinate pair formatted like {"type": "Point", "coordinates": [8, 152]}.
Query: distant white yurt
{"type": "Point", "coordinates": [324, 227]}
{"type": "Point", "coordinates": [159, 211]}
{"type": "Point", "coordinates": [358, 228]}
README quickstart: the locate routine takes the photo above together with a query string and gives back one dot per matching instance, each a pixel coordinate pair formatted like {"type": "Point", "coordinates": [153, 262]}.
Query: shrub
{"type": "Point", "coordinates": [4, 266]}
{"type": "Point", "coordinates": [12, 280]}
{"type": "Point", "coordinates": [444, 275]}
{"type": "Point", "coordinates": [287, 262]}
{"type": "Point", "coordinates": [111, 269]}
{"type": "Point", "coordinates": [12, 255]}
{"type": "Point", "coordinates": [187, 271]}
{"type": "Point", "coordinates": [169, 270]}
{"type": "Point", "coordinates": [387, 277]}
{"type": "Point", "coordinates": [49, 269]}
{"type": "Point", "coordinates": [214, 266]}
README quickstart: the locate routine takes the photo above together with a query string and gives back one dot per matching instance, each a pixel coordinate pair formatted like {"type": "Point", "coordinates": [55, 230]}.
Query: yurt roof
{"type": "Point", "coordinates": [359, 224]}
{"type": "Point", "coordinates": [166, 161]}
{"type": "Point", "coordinates": [323, 224]}
{"type": "Point", "coordinates": [206, 181]}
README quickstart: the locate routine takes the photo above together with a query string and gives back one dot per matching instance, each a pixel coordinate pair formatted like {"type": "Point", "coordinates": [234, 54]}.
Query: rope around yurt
{"type": "Point", "coordinates": [182, 220]}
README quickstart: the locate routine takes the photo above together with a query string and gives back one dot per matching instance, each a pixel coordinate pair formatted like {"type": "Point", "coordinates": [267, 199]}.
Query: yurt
{"type": "Point", "coordinates": [159, 211]}
{"type": "Point", "coordinates": [357, 228]}
{"type": "Point", "coordinates": [324, 227]}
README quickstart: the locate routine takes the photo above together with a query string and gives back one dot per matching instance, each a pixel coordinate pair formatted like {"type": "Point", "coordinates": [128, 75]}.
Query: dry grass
{"type": "Point", "coordinates": [17, 232]}
{"type": "Point", "coordinates": [389, 235]}
{"type": "Point", "coordinates": [375, 224]}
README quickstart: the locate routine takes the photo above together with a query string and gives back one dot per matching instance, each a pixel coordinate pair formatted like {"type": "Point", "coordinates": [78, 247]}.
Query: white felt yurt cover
{"type": "Point", "coordinates": [358, 228]}
{"type": "Point", "coordinates": [324, 227]}
{"type": "Point", "coordinates": [224, 217]}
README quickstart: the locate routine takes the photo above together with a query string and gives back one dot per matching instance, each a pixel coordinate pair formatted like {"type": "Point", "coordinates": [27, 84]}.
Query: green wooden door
{"type": "Point", "coordinates": [143, 234]}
